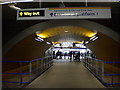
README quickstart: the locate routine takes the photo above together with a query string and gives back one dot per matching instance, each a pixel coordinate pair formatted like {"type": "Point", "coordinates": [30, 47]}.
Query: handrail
{"type": "Point", "coordinates": [110, 62]}
{"type": "Point", "coordinates": [44, 64]}
{"type": "Point", "coordinates": [112, 74]}
{"type": "Point", "coordinates": [27, 73]}
{"type": "Point", "coordinates": [92, 64]}
{"type": "Point", "coordinates": [27, 81]}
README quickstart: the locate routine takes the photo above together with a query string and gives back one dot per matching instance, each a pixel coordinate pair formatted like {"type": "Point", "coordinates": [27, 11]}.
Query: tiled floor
{"type": "Point", "coordinates": [66, 74]}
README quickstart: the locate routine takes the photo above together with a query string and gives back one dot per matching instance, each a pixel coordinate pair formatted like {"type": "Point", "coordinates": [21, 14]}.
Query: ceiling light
{"type": "Point", "coordinates": [13, 1]}
{"type": "Point", "coordinates": [39, 39]}
{"type": "Point", "coordinates": [47, 42]}
{"type": "Point", "coordinates": [14, 7]}
{"type": "Point", "coordinates": [42, 35]}
{"type": "Point", "coordinates": [66, 31]}
{"type": "Point", "coordinates": [95, 39]}
{"type": "Point", "coordinates": [92, 37]}
{"type": "Point", "coordinates": [86, 42]}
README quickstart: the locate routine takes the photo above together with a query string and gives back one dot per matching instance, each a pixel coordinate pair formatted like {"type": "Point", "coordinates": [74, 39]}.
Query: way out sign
{"type": "Point", "coordinates": [64, 13]}
{"type": "Point", "coordinates": [31, 13]}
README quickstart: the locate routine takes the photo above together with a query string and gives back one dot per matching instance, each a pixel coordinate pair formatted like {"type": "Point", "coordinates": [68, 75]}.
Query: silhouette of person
{"type": "Point", "coordinates": [70, 55]}
{"type": "Point", "coordinates": [54, 56]}
{"type": "Point", "coordinates": [57, 55]}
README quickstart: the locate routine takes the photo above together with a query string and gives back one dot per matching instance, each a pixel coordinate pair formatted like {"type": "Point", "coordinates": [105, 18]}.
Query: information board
{"type": "Point", "coordinates": [64, 13]}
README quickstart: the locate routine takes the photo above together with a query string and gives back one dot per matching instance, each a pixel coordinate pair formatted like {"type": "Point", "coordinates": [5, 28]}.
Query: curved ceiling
{"type": "Point", "coordinates": [66, 33]}
{"type": "Point", "coordinates": [65, 30]}
{"type": "Point", "coordinates": [58, 23]}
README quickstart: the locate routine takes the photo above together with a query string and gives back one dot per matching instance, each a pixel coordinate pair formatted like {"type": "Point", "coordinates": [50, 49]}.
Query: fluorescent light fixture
{"type": "Point", "coordinates": [47, 42]}
{"type": "Point", "coordinates": [92, 37]}
{"type": "Point", "coordinates": [39, 39]}
{"type": "Point", "coordinates": [95, 39]}
{"type": "Point", "coordinates": [13, 1]}
{"type": "Point", "coordinates": [14, 7]}
{"type": "Point", "coordinates": [86, 42]}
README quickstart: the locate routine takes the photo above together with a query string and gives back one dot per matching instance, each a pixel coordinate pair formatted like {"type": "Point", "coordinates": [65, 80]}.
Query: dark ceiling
{"type": "Point", "coordinates": [11, 26]}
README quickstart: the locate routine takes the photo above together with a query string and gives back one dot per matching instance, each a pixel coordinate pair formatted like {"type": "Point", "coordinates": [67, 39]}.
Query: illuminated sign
{"type": "Point", "coordinates": [64, 13]}
{"type": "Point", "coordinates": [31, 13]}
{"type": "Point", "coordinates": [83, 12]}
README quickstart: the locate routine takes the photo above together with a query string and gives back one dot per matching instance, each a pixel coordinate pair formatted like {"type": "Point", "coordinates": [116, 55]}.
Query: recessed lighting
{"type": "Point", "coordinates": [86, 42]}
{"type": "Point", "coordinates": [47, 42]}
{"type": "Point", "coordinates": [39, 39]}
{"type": "Point", "coordinates": [66, 31]}
{"type": "Point", "coordinates": [92, 37]}
{"type": "Point", "coordinates": [95, 39]}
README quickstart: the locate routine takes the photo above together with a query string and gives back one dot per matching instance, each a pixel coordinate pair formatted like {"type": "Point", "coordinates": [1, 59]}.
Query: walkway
{"type": "Point", "coordinates": [66, 74]}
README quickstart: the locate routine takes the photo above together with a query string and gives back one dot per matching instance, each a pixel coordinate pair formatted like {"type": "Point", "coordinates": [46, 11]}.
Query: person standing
{"type": "Point", "coordinates": [57, 55]}
{"type": "Point", "coordinates": [60, 54]}
{"type": "Point", "coordinates": [70, 55]}
{"type": "Point", "coordinates": [78, 56]}
{"type": "Point", "coordinates": [54, 56]}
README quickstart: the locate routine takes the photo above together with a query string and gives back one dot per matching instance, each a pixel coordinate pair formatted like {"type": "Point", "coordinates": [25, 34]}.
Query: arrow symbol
{"type": "Point", "coordinates": [21, 13]}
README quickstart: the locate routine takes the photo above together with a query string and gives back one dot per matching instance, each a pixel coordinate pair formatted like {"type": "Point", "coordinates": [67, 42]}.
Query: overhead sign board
{"type": "Point", "coordinates": [64, 13]}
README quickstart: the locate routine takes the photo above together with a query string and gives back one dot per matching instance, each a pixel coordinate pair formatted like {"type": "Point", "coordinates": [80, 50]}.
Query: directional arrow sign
{"type": "Point", "coordinates": [64, 13]}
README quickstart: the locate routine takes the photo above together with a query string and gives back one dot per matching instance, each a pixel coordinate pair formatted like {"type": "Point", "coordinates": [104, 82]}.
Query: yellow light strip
{"type": "Point", "coordinates": [92, 34]}
{"type": "Point", "coordinates": [42, 35]}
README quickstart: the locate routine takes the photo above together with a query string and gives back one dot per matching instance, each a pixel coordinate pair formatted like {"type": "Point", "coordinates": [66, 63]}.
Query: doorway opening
{"type": "Point", "coordinates": [70, 51]}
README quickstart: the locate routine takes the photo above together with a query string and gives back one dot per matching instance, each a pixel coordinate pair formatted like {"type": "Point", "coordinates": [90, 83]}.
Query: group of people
{"type": "Point", "coordinates": [72, 55]}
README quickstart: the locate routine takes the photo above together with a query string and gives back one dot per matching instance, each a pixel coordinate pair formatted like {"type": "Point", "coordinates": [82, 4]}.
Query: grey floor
{"type": "Point", "coordinates": [66, 74]}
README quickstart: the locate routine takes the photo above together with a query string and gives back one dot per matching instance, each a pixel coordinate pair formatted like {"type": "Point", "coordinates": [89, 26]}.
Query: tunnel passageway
{"type": "Point", "coordinates": [77, 47]}
{"type": "Point", "coordinates": [32, 55]}
{"type": "Point", "coordinates": [66, 74]}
